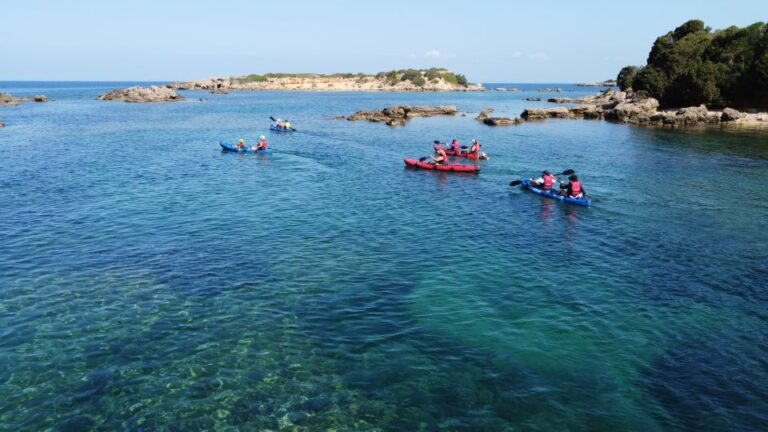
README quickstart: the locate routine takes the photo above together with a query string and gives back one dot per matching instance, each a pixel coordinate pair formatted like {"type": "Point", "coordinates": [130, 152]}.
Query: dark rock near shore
{"type": "Point", "coordinates": [533, 99]}
{"type": "Point", "coordinates": [142, 94]}
{"type": "Point", "coordinates": [2, 124]}
{"type": "Point", "coordinates": [730, 114]}
{"type": "Point", "coordinates": [397, 115]}
{"type": "Point", "coordinates": [40, 98]}
{"type": "Point", "coordinates": [550, 90]}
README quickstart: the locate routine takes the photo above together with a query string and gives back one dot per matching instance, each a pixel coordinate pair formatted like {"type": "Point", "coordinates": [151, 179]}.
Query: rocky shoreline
{"type": "Point", "coordinates": [398, 115]}
{"type": "Point", "coordinates": [138, 94]}
{"type": "Point", "coordinates": [629, 107]}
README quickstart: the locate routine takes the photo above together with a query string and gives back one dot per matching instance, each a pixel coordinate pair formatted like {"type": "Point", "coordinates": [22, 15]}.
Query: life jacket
{"type": "Point", "coordinates": [548, 180]}
{"type": "Point", "coordinates": [475, 148]}
{"type": "Point", "coordinates": [262, 144]}
{"type": "Point", "coordinates": [287, 125]}
{"type": "Point", "coordinates": [575, 188]}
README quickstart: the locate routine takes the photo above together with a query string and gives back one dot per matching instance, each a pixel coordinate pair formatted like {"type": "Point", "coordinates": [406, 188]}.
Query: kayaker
{"type": "Point", "coordinates": [441, 156]}
{"type": "Point", "coordinates": [240, 143]}
{"type": "Point", "coordinates": [279, 124]}
{"type": "Point", "coordinates": [287, 124]}
{"type": "Point", "coordinates": [545, 181]}
{"type": "Point", "coordinates": [475, 148]}
{"type": "Point", "coordinates": [573, 189]}
{"type": "Point", "coordinates": [262, 143]}
{"type": "Point", "coordinates": [456, 146]}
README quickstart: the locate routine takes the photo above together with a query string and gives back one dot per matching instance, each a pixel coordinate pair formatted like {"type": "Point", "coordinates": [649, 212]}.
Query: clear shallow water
{"type": "Point", "coordinates": [150, 282]}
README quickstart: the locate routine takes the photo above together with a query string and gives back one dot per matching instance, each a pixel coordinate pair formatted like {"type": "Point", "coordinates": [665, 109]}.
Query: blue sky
{"type": "Point", "coordinates": [489, 41]}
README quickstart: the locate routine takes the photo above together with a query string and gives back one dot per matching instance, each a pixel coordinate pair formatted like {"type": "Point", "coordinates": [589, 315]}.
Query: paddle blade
{"type": "Point", "coordinates": [272, 118]}
{"type": "Point", "coordinates": [423, 158]}
{"type": "Point", "coordinates": [568, 172]}
{"type": "Point", "coordinates": [436, 142]}
{"type": "Point", "coordinates": [515, 182]}
{"type": "Point", "coordinates": [464, 147]}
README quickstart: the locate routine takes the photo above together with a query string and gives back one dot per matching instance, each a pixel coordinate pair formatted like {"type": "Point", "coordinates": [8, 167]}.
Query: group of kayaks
{"type": "Point", "coordinates": [445, 166]}
{"type": "Point", "coordinates": [525, 183]}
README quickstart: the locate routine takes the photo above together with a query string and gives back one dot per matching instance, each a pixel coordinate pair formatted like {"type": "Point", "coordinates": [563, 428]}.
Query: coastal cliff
{"type": "Point", "coordinates": [408, 80]}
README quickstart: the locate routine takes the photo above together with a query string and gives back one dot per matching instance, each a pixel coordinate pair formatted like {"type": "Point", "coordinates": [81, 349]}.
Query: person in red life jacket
{"type": "Point", "coordinates": [262, 143]}
{"type": "Point", "coordinates": [545, 181]}
{"type": "Point", "coordinates": [455, 146]}
{"type": "Point", "coordinates": [441, 156]}
{"type": "Point", "coordinates": [475, 148]}
{"type": "Point", "coordinates": [573, 189]}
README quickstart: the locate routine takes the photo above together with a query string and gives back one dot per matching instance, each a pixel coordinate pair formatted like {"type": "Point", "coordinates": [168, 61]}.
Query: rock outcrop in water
{"type": "Point", "coordinates": [628, 107]}
{"type": "Point", "coordinates": [397, 115]}
{"type": "Point", "coordinates": [2, 124]}
{"type": "Point", "coordinates": [8, 100]}
{"type": "Point", "coordinates": [142, 94]}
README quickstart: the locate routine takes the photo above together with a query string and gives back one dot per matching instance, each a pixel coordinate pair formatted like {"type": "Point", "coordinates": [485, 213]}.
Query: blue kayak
{"type": "Point", "coordinates": [277, 129]}
{"type": "Point", "coordinates": [231, 148]}
{"type": "Point", "coordinates": [526, 184]}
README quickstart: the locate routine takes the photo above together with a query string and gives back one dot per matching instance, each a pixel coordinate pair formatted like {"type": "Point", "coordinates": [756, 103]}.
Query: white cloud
{"type": "Point", "coordinates": [540, 56]}
{"type": "Point", "coordinates": [432, 53]}
{"type": "Point", "coordinates": [515, 54]}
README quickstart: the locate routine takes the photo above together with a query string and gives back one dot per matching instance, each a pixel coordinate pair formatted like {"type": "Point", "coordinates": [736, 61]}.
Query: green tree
{"type": "Point", "coordinates": [626, 76]}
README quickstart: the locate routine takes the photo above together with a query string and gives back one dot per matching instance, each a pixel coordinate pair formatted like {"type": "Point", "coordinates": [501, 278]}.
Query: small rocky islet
{"type": "Point", "coordinates": [8, 100]}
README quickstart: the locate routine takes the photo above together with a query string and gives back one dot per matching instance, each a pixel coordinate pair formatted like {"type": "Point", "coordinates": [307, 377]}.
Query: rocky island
{"type": "Point", "coordinates": [406, 80]}
{"type": "Point", "coordinates": [398, 115]}
{"type": "Point", "coordinates": [142, 94]}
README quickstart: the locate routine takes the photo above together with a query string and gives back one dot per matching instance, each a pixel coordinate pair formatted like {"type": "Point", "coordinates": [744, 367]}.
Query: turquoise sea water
{"type": "Point", "coordinates": [150, 282]}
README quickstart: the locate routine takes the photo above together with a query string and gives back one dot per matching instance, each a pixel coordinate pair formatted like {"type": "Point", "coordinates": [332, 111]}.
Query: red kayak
{"type": "Point", "coordinates": [470, 156]}
{"type": "Point", "coordinates": [445, 167]}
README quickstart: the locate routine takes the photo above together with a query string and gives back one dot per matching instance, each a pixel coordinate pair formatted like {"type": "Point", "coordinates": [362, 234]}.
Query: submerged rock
{"type": "Point", "coordinates": [533, 99]}
{"type": "Point", "coordinates": [2, 124]}
{"type": "Point", "coordinates": [142, 94]}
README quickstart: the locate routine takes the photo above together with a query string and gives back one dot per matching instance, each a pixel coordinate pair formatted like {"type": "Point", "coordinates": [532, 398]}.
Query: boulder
{"type": "Point", "coordinates": [730, 114]}
{"type": "Point", "coordinates": [426, 111]}
{"type": "Point", "coordinates": [502, 121]}
{"type": "Point", "coordinates": [484, 114]}
{"type": "Point", "coordinates": [142, 94]}
{"type": "Point", "coordinates": [543, 113]}
{"type": "Point", "coordinates": [691, 115]}
{"type": "Point", "coordinates": [561, 100]}
{"type": "Point", "coordinates": [41, 98]}
{"type": "Point", "coordinates": [628, 110]}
